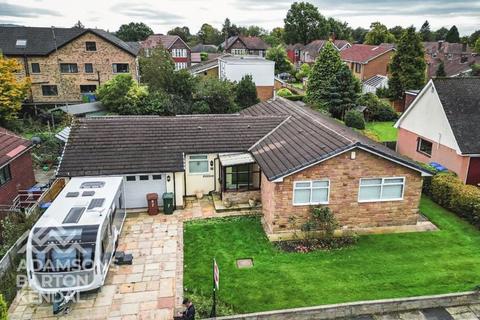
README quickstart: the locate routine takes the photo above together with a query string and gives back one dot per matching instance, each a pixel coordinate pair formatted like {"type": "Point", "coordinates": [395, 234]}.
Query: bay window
{"type": "Point", "coordinates": [381, 189]}
{"type": "Point", "coordinates": [311, 192]}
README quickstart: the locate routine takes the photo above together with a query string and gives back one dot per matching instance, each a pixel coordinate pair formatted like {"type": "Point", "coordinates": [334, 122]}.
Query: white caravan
{"type": "Point", "coordinates": [70, 248]}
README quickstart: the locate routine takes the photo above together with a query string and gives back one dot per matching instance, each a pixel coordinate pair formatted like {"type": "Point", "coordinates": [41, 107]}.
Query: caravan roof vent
{"type": "Point", "coordinates": [72, 194]}
{"type": "Point", "coordinates": [74, 215]}
{"type": "Point", "coordinates": [88, 193]}
{"type": "Point", "coordinates": [92, 185]}
{"type": "Point", "coordinates": [96, 203]}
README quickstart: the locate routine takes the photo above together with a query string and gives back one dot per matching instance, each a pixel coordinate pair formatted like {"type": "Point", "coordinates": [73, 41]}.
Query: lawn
{"type": "Point", "coordinates": [379, 266]}
{"type": "Point", "coordinates": [381, 131]}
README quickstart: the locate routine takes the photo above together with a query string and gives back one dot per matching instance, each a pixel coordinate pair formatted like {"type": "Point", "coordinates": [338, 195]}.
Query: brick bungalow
{"type": "Point", "coordinates": [179, 50]}
{"type": "Point", "coordinates": [287, 156]}
{"type": "Point", "coordinates": [16, 169]}
{"type": "Point", "coordinates": [442, 126]}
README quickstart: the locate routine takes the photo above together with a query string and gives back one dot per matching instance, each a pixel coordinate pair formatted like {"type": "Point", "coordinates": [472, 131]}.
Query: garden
{"type": "Point", "coordinates": [375, 267]}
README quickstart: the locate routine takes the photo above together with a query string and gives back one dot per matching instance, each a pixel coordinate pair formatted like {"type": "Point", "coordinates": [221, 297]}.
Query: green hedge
{"type": "Point", "coordinates": [449, 192]}
{"type": "Point", "coordinates": [295, 97]}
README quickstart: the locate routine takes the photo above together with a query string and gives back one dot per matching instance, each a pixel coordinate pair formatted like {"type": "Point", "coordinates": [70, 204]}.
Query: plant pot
{"type": "Point", "coordinates": [199, 195]}
{"type": "Point", "coordinates": [252, 202]}
{"type": "Point", "coordinates": [227, 203]}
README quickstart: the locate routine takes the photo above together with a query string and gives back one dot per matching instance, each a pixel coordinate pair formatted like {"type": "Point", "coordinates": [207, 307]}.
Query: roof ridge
{"type": "Point", "coordinates": [270, 133]}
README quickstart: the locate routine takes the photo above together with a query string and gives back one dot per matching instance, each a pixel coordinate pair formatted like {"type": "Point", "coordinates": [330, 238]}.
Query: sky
{"type": "Point", "coordinates": [163, 15]}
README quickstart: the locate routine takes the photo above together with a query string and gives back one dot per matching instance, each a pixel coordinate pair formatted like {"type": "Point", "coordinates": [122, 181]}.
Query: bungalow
{"type": "Point", "coordinates": [441, 125]}
{"type": "Point", "coordinates": [287, 156]}
{"type": "Point", "coordinates": [16, 169]}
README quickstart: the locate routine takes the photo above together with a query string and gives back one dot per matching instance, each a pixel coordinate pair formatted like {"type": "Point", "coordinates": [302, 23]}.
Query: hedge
{"type": "Point", "coordinates": [295, 97]}
{"type": "Point", "coordinates": [449, 192]}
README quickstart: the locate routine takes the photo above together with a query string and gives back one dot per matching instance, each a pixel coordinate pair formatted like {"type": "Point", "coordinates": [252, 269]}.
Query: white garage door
{"type": "Point", "coordinates": [137, 187]}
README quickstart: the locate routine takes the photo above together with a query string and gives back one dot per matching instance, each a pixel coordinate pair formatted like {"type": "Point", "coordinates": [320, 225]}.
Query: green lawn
{"type": "Point", "coordinates": [379, 266]}
{"type": "Point", "coordinates": [382, 131]}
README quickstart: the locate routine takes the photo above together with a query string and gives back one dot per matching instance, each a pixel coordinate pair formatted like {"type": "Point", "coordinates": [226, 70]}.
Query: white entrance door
{"type": "Point", "coordinates": [137, 187]}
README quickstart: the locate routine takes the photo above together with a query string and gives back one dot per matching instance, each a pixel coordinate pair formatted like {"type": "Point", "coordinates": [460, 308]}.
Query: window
{"type": "Point", "coordinates": [88, 88]}
{"type": "Point", "coordinates": [425, 147]}
{"type": "Point", "coordinates": [49, 90]}
{"type": "Point", "coordinates": [179, 53]}
{"type": "Point", "coordinates": [198, 164]}
{"type": "Point", "coordinates": [381, 189]}
{"type": "Point", "coordinates": [120, 67]}
{"type": "Point", "coordinates": [5, 175]}
{"type": "Point", "coordinates": [239, 51]}
{"type": "Point", "coordinates": [88, 68]}
{"type": "Point", "coordinates": [358, 67]}
{"type": "Point", "coordinates": [242, 177]}
{"type": "Point", "coordinates": [35, 68]}
{"type": "Point", "coordinates": [143, 178]}
{"type": "Point", "coordinates": [311, 192]}
{"type": "Point", "coordinates": [131, 178]}
{"type": "Point", "coordinates": [91, 46]}
{"type": "Point", "coordinates": [157, 177]}
{"type": "Point", "coordinates": [68, 68]}
{"type": "Point", "coordinates": [180, 65]}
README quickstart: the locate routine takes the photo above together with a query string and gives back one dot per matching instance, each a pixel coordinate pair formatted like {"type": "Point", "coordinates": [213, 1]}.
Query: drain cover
{"type": "Point", "coordinates": [244, 263]}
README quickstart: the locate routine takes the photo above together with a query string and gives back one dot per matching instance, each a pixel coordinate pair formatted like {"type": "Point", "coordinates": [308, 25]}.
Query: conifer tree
{"type": "Point", "coordinates": [452, 35]}
{"type": "Point", "coordinates": [343, 93]}
{"type": "Point", "coordinates": [441, 70]}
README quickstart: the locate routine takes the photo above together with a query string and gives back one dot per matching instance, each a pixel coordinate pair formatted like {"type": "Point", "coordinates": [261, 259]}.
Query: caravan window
{"type": "Point", "coordinates": [63, 258]}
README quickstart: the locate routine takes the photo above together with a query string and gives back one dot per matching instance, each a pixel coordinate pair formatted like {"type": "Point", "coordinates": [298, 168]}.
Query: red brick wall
{"type": "Point", "coordinates": [22, 178]}
{"type": "Point", "coordinates": [377, 66]}
{"type": "Point", "coordinates": [344, 175]}
{"type": "Point", "coordinates": [264, 92]}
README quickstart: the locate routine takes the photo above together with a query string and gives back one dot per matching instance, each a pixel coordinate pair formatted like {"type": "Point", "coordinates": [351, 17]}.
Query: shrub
{"type": "Point", "coordinates": [284, 92]}
{"type": "Point", "coordinates": [295, 97]}
{"type": "Point", "coordinates": [385, 113]}
{"type": "Point", "coordinates": [377, 109]}
{"type": "Point", "coordinates": [354, 119]}
{"type": "Point", "coordinates": [3, 309]}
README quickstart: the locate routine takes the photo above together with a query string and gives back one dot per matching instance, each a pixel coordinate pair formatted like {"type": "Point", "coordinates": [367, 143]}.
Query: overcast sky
{"type": "Point", "coordinates": [162, 15]}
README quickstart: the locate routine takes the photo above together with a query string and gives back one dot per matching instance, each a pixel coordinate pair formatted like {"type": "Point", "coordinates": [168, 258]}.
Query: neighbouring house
{"type": "Point", "coordinates": [197, 57]}
{"type": "Point", "coordinates": [294, 52]}
{"type": "Point", "coordinates": [179, 50]}
{"type": "Point", "coordinates": [209, 48]}
{"type": "Point", "coordinates": [457, 58]}
{"type": "Point", "coordinates": [16, 167]}
{"type": "Point", "coordinates": [442, 126]}
{"type": "Point", "coordinates": [243, 45]}
{"type": "Point", "coordinates": [233, 68]}
{"type": "Point", "coordinates": [66, 65]}
{"type": "Point", "coordinates": [311, 51]}
{"type": "Point", "coordinates": [287, 156]}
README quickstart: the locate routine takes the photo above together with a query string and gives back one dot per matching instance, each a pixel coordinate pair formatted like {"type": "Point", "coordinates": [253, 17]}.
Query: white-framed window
{"type": "Point", "coordinates": [381, 189]}
{"type": "Point", "coordinates": [179, 53]}
{"type": "Point", "coordinates": [424, 146]}
{"type": "Point", "coordinates": [311, 192]}
{"type": "Point", "coordinates": [239, 51]}
{"type": "Point", "coordinates": [198, 164]}
{"type": "Point", "coordinates": [180, 65]}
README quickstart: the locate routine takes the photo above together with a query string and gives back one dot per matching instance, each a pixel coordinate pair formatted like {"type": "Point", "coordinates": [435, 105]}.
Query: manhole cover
{"type": "Point", "coordinates": [244, 263]}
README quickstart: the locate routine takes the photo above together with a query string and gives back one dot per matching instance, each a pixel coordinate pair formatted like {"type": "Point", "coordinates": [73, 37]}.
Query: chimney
{"type": "Point", "coordinates": [440, 43]}
{"type": "Point", "coordinates": [464, 47]}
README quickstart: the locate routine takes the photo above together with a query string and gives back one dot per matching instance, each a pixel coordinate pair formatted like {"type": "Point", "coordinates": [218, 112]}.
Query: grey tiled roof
{"type": "Point", "coordinates": [43, 41]}
{"type": "Point", "coordinates": [149, 144]}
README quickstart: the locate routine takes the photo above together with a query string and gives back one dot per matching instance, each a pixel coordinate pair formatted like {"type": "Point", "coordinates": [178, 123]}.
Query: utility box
{"type": "Point", "coordinates": [152, 200]}
{"type": "Point", "coordinates": [167, 202]}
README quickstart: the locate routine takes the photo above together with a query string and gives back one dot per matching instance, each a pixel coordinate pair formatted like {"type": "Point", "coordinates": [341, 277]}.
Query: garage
{"type": "Point", "coordinates": [137, 187]}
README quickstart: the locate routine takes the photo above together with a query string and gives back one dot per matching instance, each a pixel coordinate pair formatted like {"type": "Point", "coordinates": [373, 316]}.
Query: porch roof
{"type": "Point", "coordinates": [232, 159]}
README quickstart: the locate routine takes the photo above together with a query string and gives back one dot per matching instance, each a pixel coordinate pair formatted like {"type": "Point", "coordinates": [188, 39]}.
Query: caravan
{"type": "Point", "coordinates": [70, 248]}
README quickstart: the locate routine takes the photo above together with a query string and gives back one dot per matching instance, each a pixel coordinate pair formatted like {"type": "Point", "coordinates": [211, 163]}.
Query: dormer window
{"type": "Point", "coordinates": [91, 46]}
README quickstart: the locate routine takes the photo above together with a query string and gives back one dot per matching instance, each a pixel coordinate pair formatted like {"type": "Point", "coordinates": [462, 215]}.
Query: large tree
{"type": "Point", "coordinates": [326, 66]}
{"type": "Point", "coordinates": [452, 35]}
{"type": "Point", "coordinates": [343, 92]}
{"type": "Point", "coordinates": [217, 95]}
{"type": "Point", "coordinates": [408, 65]}
{"type": "Point", "coordinates": [12, 90]}
{"type": "Point", "coordinates": [359, 34]}
{"type": "Point", "coordinates": [246, 92]}
{"type": "Point", "coordinates": [279, 55]}
{"type": "Point", "coordinates": [275, 37]}
{"type": "Point", "coordinates": [473, 38]}
{"type": "Point", "coordinates": [476, 48]}
{"type": "Point", "coordinates": [397, 32]}
{"type": "Point", "coordinates": [425, 32]}
{"type": "Point", "coordinates": [304, 24]}
{"type": "Point", "coordinates": [229, 29]}
{"type": "Point", "coordinates": [134, 31]}
{"type": "Point", "coordinates": [182, 32]}
{"type": "Point", "coordinates": [209, 35]}
{"type": "Point", "coordinates": [378, 34]}
{"type": "Point", "coordinates": [440, 34]}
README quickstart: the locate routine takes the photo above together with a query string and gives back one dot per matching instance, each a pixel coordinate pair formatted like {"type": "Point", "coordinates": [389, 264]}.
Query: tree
{"type": "Point", "coordinates": [343, 92]}
{"type": "Point", "coordinates": [475, 70]}
{"type": "Point", "coordinates": [476, 48]}
{"type": "Point", "coordinates": [378, 34]}
{"type": "Point", "coordinates": [279, 55]}
{"type": "Point", "coordinates": [324, 70]}
{"type": "Point", "coordinates": [255, 31]}
{"type": "Point", "coordinates": [354, 119]}
{"type": "Point", "coordinates": [3, 308]}
{"type": "Point", "coordinates": [359, 34]}
{"type": "Point", "coordinates": [452, 35]}
{"type": "Point", "coordinates": [275, 37]}
{"type": "Point", "coordinates": [440, 34]}
{"type": "Point", "coordinates": [217, 94]}
{"type": "Point", "coordinates": [209, 35]}
{"type": "Point", "coordinates": [473, 38]}
{"type": "Point", "coordinates": [425, 32]}
{"type": "Point", "coordinates": [339, 30]}
{"type": "Point", "coordinates": [441, 70]}
{"type": "Point", "coordinates": [229, 29]}
{"type": "Point", "coordinates": [182, 32]}
{"type": "Point", "coordinates": [408, 65]}
{"type": "Point", "coordinates": [122, 95]}
{"type": "Point", "coordinates": [246, 92]}
{"type": "Point", "coordinates": [12, 90]}
{"type": "Point", "coordinates": [79, 25]}
{"type": "Point", "coordinates": [304, 24]}
{"type": "Point", "coordinates": [396, 31]}
{"type": "Point", "coordinates": [303, 72]}
{"type": "Point", "coordinates": [376, 108]}
{"type": "Point", "coordinates": [134, 31]}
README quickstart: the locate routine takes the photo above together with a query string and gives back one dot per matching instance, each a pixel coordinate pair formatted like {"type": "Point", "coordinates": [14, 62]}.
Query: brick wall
{"type": "Point", "coordinates": [344, 175]}
{"type": "Point", "coordinates": [377, 66]}
{"type": "Point", "coordinates": [241, 196]}
{"type": "Point", "coordinates": [264, 92]}
{"type": "Point", "coordinates": [68, 84]}
{"type": "Point", "coordinates": [22, 178]}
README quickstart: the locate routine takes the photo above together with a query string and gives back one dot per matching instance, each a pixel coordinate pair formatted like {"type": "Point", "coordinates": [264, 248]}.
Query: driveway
{"type": "Point", "coordinates": [151, 288]}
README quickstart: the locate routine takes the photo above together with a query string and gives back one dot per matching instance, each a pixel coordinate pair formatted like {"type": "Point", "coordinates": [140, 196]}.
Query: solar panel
{"type": "Point", "coordinates": [96, 203]}
{"type": "Point", "coordinates": [88, 193]}
{"type": "Point", "coordinates": [74, 215]}
{"type": "Point", "coordinates": [72, 194]}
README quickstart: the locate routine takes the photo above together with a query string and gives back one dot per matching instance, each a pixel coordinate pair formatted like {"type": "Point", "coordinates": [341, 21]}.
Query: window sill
{"type": "Point", "coordinates": [310, 204]}
{"type": "Point", "coordinates": [424, 153]}
{"type": "Point", "coordinates": [380, 200]}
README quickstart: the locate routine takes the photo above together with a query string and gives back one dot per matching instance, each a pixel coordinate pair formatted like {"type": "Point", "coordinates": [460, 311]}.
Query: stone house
{"type": "Point", "coordinates": [179, 50]}
{"type": "Point", "coordinates": [66, 65]}
{"type": "Point", "coordinates": [286, 156]}
{"type": "Point", "coordinates": [16, 168]}
{"type": "Point", "coordinates": [243, 45]}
